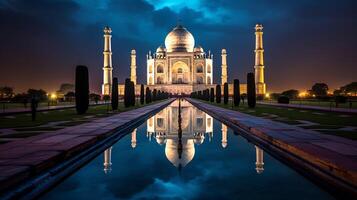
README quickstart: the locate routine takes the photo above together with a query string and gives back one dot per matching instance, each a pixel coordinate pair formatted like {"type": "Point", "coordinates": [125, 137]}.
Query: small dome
{"type": "Point", "coordinates": [179, 40]}
{"type": "Point", "coordinates": [160, 49]}
{"type": "Point", "coordinates": [198, 49]}
{"type": "Point", "coordinates": [107, 30]}
{"type": "Point", "coordinates": [160, 140]}
{"type": "Point", "coordinates": [199, 138]}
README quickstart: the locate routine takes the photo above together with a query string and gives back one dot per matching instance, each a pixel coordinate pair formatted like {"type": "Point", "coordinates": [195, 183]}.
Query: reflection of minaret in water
{"type": "Point", "coordinates": [224, 135]}
{"type": "Point", "coordinates": [259, 163]}
{"type": "Point", "coordinates": [133, 139]}
{"type": "Point", "coordinates": [108, 160]}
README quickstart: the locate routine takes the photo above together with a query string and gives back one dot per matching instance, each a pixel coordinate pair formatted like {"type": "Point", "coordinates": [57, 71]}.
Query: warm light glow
{"type": "Point", "coordinates": [302, 94]}
{"type": "Point", "coordinates": [53, 96]}
{"type": "Point", "coordinates": [267, 95]}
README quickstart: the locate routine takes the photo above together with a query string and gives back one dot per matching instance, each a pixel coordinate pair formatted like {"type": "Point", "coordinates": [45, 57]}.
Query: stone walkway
{"type": "Point", "coordinates": [334, 155]}
{"type": "Point", "coordinates": [307, 107]}
{"type": "Point", "coordinates": [22, 159]}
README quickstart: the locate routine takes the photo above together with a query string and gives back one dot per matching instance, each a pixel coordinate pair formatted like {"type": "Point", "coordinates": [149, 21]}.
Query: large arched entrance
{"type": "Point", "coordinates": [180, 73]}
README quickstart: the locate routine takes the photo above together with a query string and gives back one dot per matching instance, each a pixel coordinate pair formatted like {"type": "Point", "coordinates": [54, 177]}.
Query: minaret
{"type": "Point", "coordinates": [108, 160]}
{"type": "Point", "coordinates": [259, 162]}
{"type": "Point", "coordinates": [133, 139]}
{"type": "Point", "coordinates": [224, 76]}
{"type": "Point", "coordinates": [259, 60]}
{"type": "Point", "coordinates": [224, 135]}
{"type": "Point", "coordinates": [133, 66]}
{"type": "Point", "coordinates": [107, 68]}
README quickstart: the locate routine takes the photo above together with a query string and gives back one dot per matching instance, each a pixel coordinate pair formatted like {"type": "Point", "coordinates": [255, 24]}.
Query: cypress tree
{"type": "Point", "coordinates": [236, 92]}
{"type": "Point", "coordinates": [225, 93]}
{"type": "Point", "coordinates": [199, 94]}
{"type": "Point", "coordinates": [212, 95]}
{"type": "Point", "coordinates": [154, 95]}
{"type": "Point", "coordinates": [127, 92]}
{"type": "Point", "coordinates": [148, 95]}
{"type": "Point", "coordinates": [251, 90]}
{"type": "Point", "coordinates": [142, 94]}
{"type": "Point", "coordinates": [207, 95]}
{"type": "Point", "coordinates": [82, 89]}
{"type": "Point", "coordinates": [218, 93]}
{"type": "Point", "coordinates": [115, 97]}
{"type": "Point", "coordinates": [132, 94]}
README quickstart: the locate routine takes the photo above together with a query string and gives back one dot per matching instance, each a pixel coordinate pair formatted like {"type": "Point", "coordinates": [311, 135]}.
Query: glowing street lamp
{"type": "Point", "coordinates": [302, 94]}
{"type": "Point", "coordinates": [53, 96]}
{"type": "Point", "coordinates": [267, 95]}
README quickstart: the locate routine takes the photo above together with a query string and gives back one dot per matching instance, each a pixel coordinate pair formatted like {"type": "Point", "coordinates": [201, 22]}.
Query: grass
{"type": "Point", "coordinates": [325, 120]}
{"type": "Point", "coordinates": [24, 120]}
{"type": "Point", "coordinates": [40, 105]}
{"type": "Point", "coordinates": [327, 104]}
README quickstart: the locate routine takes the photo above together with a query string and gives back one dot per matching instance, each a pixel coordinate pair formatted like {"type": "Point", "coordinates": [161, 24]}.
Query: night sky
{"type": "Point", "coordinates": [305, 41]}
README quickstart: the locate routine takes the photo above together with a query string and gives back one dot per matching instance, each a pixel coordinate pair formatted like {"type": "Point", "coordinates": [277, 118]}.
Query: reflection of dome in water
{"type": "Point", "coordinates": [160, 138]}
{"type": "Point", "coordinates": [186, 119]}
{"type": "Point", "coordinates": [199, 138]}
{"type": "Point", "coordinates": [172, 153]}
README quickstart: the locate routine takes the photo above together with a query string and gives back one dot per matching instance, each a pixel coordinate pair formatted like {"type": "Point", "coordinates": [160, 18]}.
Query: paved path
{"type": "Point", "coordinates": [334, 155]}
{"type": "Point", "coordinates": [20, 160]}
{"type": "Point", "coordinates": [307, 107]}
{"type": "Point", "coordinates": [12, 111]}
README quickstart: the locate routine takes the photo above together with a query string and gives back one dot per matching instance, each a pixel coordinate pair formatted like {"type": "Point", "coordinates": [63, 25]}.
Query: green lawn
{"type": "Point", "coordinates": [319, 103]}
{"type": "Point", "coordinates": [40, 105]}
{"type": "Point", "coordinates": [70, 115]}
{"type": "Point", "coordinates": [325, 120]}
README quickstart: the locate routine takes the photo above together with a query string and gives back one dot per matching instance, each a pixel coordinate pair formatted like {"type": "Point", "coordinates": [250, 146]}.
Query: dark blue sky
{"type": "Point", "coordinates": [305, 41]}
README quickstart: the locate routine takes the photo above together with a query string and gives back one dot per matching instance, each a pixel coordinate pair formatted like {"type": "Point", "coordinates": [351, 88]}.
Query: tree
{"type": "Point", "coordinates": [291, 94]}
{"type": "Point", "coordinates": [142, 99]}
{"type": "Point", "coordinates": [82, 89]}
{"type": "Point", "coordinates": [147, 95]}
{"type": "Point", "coordinates": [243, 97]}
{"type": "Point", "coordinates": [127, 93]}
{"type": "Point", "coordinates": [350, 88]}
{"type": "Point", "coordinates": [218, 93]}
{"type": "Point", "coordinates": [225, 93]}
{"type": "Point", "coordinates": [154, 95]}
{"type": "Point", "coordinates": [251, 90]}
{"type": "Point", "coordinates": [236, 92]}
{"type": "Point", "coordinates": [66, 87]}
{"type": "Point", "coordinates": [6, 92]}
{"type": "Point", "coordinates": [94, 97]}
{"type": "Point", "coordinates": [34, 105]}
{"type": "Point", "coordinates": [212, 95]}
{"type": "Point", "coordinates": [70, 96]}
{"type": "Point", "coordinates": [115, 95]}
{"type": "Point", "coordinates": [132, 90]}
{"type": "Point", "coordinates": [319, 89]}
{"type": "Point", "coordinates": [40, 94]}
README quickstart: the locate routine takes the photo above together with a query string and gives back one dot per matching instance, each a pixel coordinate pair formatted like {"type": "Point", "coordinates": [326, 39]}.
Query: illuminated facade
{"type": "Point", "coordinates": [180, 67]}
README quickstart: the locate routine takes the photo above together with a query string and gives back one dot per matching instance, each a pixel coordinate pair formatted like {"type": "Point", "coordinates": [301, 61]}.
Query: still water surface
{"type": "Point", "coordinates": [204, 159]}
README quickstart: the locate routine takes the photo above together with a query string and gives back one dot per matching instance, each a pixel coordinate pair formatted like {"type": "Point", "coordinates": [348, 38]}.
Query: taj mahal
{"type": "Point", "coordinates": [180, 67]}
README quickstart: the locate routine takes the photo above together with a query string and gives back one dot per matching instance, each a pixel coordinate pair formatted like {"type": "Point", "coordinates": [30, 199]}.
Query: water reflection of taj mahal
{"type": "Point", "coordinates": [196, 127]}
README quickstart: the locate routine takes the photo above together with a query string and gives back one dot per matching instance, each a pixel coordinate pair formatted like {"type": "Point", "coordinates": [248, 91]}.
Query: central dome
{"type": "Point", "coordinates": [179, 40]}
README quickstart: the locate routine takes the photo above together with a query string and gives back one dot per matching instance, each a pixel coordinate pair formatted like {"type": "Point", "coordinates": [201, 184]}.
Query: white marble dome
{"type": "Point", "coordinates": [179, 40]}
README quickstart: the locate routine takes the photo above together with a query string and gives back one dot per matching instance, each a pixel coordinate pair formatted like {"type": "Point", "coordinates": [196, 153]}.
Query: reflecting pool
{"type": "Point", "coordinates": [185, 154]}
